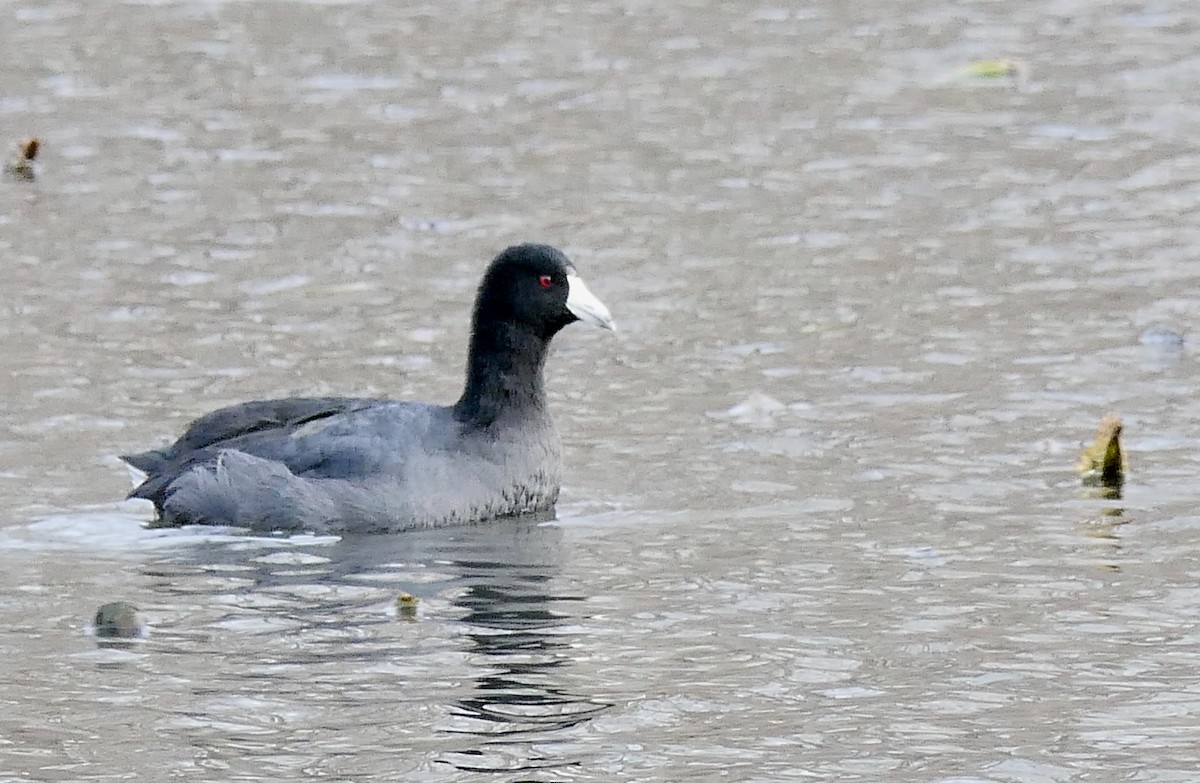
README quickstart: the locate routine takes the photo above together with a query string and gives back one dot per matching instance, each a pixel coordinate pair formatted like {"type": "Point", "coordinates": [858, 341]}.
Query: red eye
{"type": "Point", "coordinates": [545, 281]}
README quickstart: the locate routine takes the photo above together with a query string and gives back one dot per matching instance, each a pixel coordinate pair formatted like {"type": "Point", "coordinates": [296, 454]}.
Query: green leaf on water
{"type": "Point", "coordinates": [1103, 463]}
{"type": "Point", "coordinates": [991, 69]}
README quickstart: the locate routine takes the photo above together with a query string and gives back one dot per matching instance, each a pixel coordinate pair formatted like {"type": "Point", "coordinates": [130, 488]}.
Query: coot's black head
{"type": "Point", "coordinates": [536, 287]}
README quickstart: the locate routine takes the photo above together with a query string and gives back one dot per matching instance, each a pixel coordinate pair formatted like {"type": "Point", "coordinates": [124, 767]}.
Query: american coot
{"type": "Point", "coordinates": [340, 464]}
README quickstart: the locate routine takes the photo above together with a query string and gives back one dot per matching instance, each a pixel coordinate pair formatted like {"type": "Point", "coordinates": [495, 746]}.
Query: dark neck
{"type": "Point", "coordinates": [504, 374]}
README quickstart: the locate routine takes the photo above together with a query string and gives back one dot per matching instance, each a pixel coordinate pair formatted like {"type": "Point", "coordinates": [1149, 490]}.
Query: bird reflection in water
{"type": "Point", "coordinates": [491, 592]}
{"type": "Point", "coordinates": [514, 621]}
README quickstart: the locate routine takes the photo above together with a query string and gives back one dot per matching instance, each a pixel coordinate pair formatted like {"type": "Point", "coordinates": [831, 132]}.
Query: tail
{"type": "Point", "coordinates": [147, 461]}
{"type": "Point", "coordinates": [151, 465]}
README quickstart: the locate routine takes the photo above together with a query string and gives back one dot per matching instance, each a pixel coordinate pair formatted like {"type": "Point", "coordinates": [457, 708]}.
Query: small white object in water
{"type": "Point", "coordinates": [758, 408]}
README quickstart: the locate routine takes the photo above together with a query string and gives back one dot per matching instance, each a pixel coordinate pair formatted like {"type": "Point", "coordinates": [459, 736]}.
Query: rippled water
{"type": "Point", "coordinates": [820, 519]}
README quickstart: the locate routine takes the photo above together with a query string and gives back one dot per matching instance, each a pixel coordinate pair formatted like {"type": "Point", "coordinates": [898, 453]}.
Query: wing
{"type": "Point", "coordinates": [264, 428]}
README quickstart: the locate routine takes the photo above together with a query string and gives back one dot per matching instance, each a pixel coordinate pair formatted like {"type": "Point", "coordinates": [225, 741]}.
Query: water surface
{"type": "Point", "coordinates": [820, 519]}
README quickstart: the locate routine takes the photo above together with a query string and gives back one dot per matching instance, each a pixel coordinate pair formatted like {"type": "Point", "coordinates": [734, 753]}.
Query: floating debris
{"type": "Point", "coordinates": [990, 69]}
{"type": "Point", "coordinates": [119, 620]}
{"type": "Point", "coordinates": [995, 71]}
{"type": "Point", "coordinates": [1103, 463]}
{"type": "Point", "coordinates": [21, 166]}
{"type": "Point", "coordinates": [406, 606]}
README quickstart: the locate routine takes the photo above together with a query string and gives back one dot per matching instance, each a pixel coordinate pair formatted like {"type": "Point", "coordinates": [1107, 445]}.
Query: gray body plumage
{"type": "Point", "coordinates": [359, 465]}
